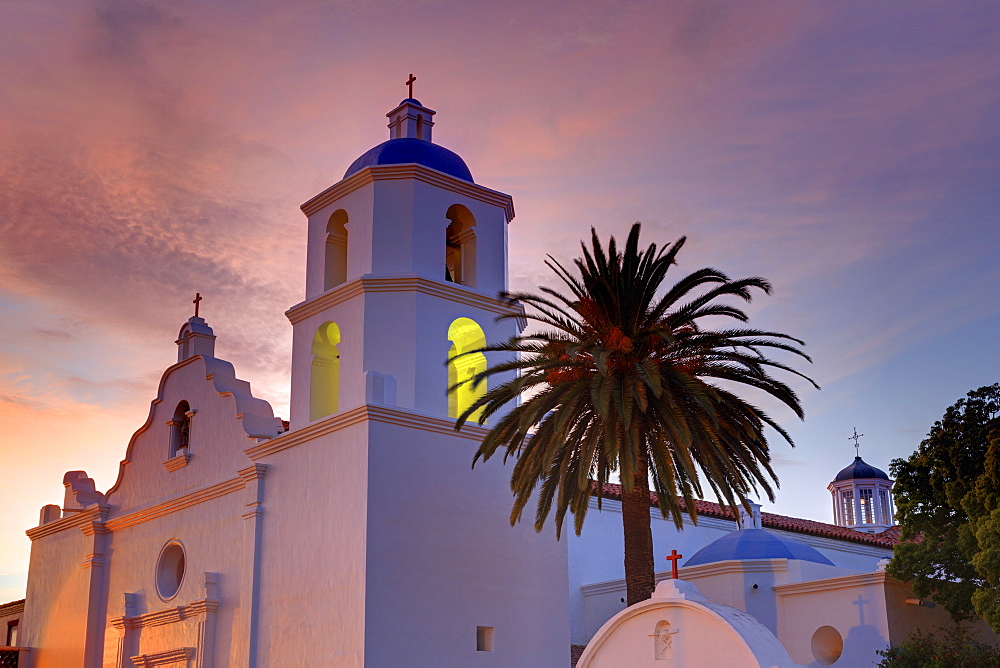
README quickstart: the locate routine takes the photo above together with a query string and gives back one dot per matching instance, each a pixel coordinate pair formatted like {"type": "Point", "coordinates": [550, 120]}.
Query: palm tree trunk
{"type": "Point", "coordinates": [638, 539]}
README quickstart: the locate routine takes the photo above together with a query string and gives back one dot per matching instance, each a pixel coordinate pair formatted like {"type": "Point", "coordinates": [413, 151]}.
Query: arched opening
{"type": "Point", "coordinates": [335, 265]}
{"type": "Point", "coordinates": [180, 430]}
{"type": "Point", "coordinates": [325, 378]}
{"type": "Point", "coordinates": [465, 335]}
{"type": "Point", "coordinates": [460, 246]}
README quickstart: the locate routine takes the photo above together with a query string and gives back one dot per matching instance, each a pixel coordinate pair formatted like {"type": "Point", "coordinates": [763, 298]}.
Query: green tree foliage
{"type": "Point", "coordinates": [950, 648]}
{"type": "Point", "coordinates": [626, 377]}
{"type": "Point", "coordinates": [948, 501]}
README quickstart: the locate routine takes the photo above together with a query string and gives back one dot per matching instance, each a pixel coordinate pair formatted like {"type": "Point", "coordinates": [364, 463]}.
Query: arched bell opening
{"type": "Point", "coordinates": [180, 430]}
{"type": "Point", "coordinates": [324, 388]}
{"type": "Point", "coordinates": [460, 246]}
{"type": "Point", "coordinates": [335, 261]}
{"type": "Point", "coordinates": [465, 335]}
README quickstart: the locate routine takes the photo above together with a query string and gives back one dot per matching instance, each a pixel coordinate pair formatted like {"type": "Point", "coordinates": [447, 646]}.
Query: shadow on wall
{"type": "Point", "coordinates": [829, 647]}
{"type": "Point", "coordinates": [759, 599]}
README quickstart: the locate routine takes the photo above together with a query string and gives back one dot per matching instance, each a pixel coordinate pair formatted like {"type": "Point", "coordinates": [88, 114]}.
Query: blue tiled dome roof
{"type": "Point", "coordinates": [755, 544]}
{"type": "Point", "coordinates": [408, 150]}
{"type": "Point", "coordinates": [860, 469]}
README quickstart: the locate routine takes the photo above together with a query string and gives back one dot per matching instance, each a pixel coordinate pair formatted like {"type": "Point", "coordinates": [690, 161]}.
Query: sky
{"type": "Point", "coordinates": [849, 152]}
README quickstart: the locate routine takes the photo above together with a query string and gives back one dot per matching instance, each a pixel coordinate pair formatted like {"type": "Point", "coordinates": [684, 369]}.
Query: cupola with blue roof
{"type": "Point", "coordinates": [410, 125]}
{"type": "Point", "coordinates": [751, 541]}
{"type": "Point", "coordinates": [408, 245]}
{"type": "Point", "coordinates": [862, 495]}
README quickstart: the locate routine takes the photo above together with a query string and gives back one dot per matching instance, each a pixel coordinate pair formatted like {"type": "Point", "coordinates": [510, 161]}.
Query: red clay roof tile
{"type": "Point", "coordinates": [887, 538]}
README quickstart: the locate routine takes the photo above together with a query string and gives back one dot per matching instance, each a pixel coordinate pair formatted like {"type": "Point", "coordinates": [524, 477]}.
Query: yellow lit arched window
{"type": "Point", "coordinates": [465, 335]}
{"type": "Point", "coordinates": [325, 380]}
{"type": "Point", "coordinates": [335, 262]}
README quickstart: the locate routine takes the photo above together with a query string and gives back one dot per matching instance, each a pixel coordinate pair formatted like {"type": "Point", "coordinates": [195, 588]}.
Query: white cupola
{"type": "Point", "coordinates": [862, 498]}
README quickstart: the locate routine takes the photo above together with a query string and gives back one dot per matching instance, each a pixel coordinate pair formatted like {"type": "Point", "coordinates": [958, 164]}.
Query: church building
{"type": "Point", "coordinates": [356, 534]}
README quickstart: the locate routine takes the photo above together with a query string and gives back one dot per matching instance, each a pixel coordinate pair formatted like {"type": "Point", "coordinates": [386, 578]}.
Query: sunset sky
{"type": "Point", "coordinates": [848, 151]}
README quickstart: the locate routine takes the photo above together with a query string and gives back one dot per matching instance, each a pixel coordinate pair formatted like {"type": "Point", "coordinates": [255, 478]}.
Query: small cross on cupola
{"type": "Point", "coordinates": [196, 337]}
{"type": "Point", "coordinates": [410, 120]}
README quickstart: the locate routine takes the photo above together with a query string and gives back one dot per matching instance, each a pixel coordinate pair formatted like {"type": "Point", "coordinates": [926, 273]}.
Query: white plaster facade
{"type": "Point", "coordinates": [360, 536]}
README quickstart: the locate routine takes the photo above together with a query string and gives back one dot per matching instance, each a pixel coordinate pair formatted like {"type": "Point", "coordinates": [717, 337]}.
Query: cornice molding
{"type": "Point", "coordinates": [367, 413]}
{"type": "Point", "coordinates": [167, 616]}
{"type": "Point", "coordinates": [730, 567]}
{"type": "Point", "coordinates": [290, 439]}
{"type": "Point", "coordinates": [403, 283]}
{"type": "Point", "coordinates": [177, 462]}
{"type": "Point", "coordinates": [826, 584]}
{"type": "Point", "coordinates": [89, 520]}
{"type": "Point", "coordinates": [179, 503]}
{"type": "Point", "coordinates": [409, 171]}
{"type": "Point", "coordinates": [700, 571]}
{"type": "Point", "coordinates": [165, 658]}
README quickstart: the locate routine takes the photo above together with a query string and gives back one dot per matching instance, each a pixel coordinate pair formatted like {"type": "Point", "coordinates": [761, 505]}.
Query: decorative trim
{"type": "Point", "coordinates": [164, 658]}
{"type": "Point", "coordinates": [842, 582]}
{"type": "Point", "coordinates": [409, 171]}
{"type": "Point", "coordinates": [702, 570]}
{"type": "Point", "coordinates": [396, 416]}
{"type": "Point", "coordinates": [403, 283]}
{"type": "Point", "coordinates": [95, 560]}
{"type": "Point", "coordinates": [168, 616]}
{"type": "Point", "coordinates": [253, 472]}
{"type": "Point", "coordinates": [178, 462]}
{"type": "Point", "coordinates": [89, 520]}
{"type": "Point", "coordinates": [731, 566]}
{"type": "Point", "coordinates": [180, 503]}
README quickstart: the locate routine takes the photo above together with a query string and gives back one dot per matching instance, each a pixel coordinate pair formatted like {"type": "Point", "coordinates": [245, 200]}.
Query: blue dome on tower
{"type": "Point", "coordinates": [755, 544]}
{"type": "Point", "coordinates": [406, 150]}
{"type": "Point", "coordinates": [860, 469]}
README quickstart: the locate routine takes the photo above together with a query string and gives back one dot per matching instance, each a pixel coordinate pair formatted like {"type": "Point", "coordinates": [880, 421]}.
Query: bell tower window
{"type": "Point", "coordinates": [862, 497]}
{"type": "Point", "coordinates": [180, 429]}
{"type": "Point", "coordinates": [460, 246]}
{"type": "Point", "coordinates": [466, 336]}
{"type": "Point", "coordinates": [325, 381]}
{"type": "Point", "coordinates": [335, 265]}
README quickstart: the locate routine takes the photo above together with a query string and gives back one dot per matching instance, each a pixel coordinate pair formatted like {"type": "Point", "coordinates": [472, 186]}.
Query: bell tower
{"type": "Point", "coordinates": [399, 251]}
{"type": "Point", "coordinates": [406, 258]}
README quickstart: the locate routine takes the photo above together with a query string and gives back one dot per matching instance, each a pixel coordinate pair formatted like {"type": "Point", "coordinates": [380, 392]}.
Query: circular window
{"type": "Point", "coordinates": [170, 570]}
{"type": "Point", "coordinates": [827, 645]}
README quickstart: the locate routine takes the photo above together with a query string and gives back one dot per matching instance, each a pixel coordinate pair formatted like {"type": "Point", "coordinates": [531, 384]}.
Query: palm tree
{"type": "Point", "coordinates": [623, 380]}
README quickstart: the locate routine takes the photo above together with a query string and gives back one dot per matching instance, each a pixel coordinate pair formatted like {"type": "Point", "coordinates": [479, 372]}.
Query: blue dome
{"type": "Point", "coordinates": [860, 469]}
{"type": "Point", "coordinates": [755, 544]}
{"type": "Point", "coordinates": [409, 150]}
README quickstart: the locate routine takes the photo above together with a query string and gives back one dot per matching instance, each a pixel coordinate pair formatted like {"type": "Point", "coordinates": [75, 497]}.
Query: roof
{"type": "Point", "coordinates": [886, 539]}
{"type": "Point", "coordinates": [860, 469]}
{"type": "Point", "coordinates": [13, 606]}
{"type": "Point", "coordinates": [755, 544]}
{"type": "Point", "coordinates": [406, 150]}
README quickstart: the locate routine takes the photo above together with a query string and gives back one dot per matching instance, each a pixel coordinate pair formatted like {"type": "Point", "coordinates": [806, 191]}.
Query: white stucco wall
{"type": "Point", "coordinates": [597, 571]}
{"type": "Point", "coordinates": [443, 559]}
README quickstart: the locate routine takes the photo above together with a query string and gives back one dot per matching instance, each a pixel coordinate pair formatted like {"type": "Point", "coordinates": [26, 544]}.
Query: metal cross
{"type": "Point", "coordinates": [197, 303]}
{"type": "Point", "coordinates": [672, 558]}
{"type": "Point", "coordinates": [409, 83]}
{"type": "Point", "coordinates": [857, 448]}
